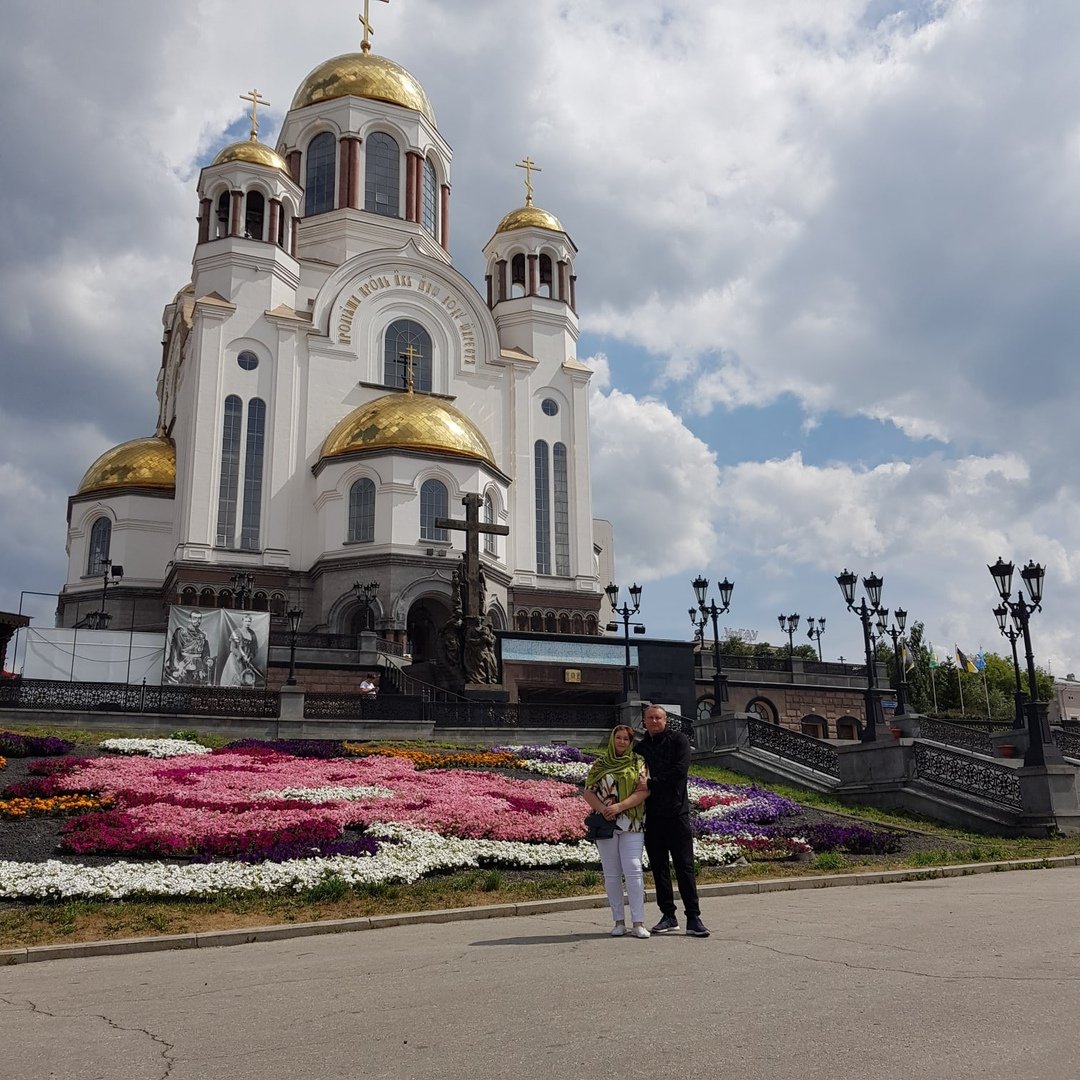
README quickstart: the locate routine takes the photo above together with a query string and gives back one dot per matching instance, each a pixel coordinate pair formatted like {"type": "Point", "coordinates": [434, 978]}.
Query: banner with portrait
{"type": "Point", "coordinates": [216, 647]}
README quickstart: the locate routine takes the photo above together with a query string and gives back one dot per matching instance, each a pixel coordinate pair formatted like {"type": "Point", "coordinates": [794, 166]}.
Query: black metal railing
{"type": "Point", "coordinates": [310, 639]}
{"type": "Point", "coordinates": [52, 695]}
{"type": "Point", "coordinates": [794, 746]}
{"type": "Point", "coordinates": [969, 738]}
{"type": "Point", "coordinates": [325, 706]}
{"type": "Point", "coordinates": [410, 686]}
{"type": "Point", "coordinates": [972, 775]}
{"type": "Point", "coordinates": [522, 714]}
{"type": "Point", "coordinates": [1068, 742]}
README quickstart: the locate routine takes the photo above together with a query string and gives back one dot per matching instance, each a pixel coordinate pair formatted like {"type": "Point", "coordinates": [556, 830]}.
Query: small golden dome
{"type": "Point", "coordinates": [363, 75]}
{"type": "Point", "coordinates": [254, 153]}
{"type": "Point", "coordinates": [408, 422]}
{"type": "Point", "coordinates": [140, 463]}
{"type": "Point", "coordinates": [529, 217]}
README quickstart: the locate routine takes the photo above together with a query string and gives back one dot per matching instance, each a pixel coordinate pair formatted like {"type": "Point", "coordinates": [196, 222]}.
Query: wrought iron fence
{"type": "Point", "coordinates": [391, 648]}
{"type": "Point", "coordinates": [1068, 742]}
{"type": "Point", "coordinates": [319, 706]}
{"type": "Point", "coordinates": [794, 746]}
{"type": "Point", "coordinates": [311, 639]}
{"type": "Point", "coordinates": [48, 694]}
{"type": "Point", "coordinates": [963, 772]}
{"type": "Point", "coordinates": [522, 714]}
{"type": "Point", "coordinates": [942, 731]}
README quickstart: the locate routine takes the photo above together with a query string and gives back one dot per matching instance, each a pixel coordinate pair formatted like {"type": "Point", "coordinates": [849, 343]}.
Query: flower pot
{"type": "Point", "coordinates": [1006, 750]}
{"type": "Point", "coordinates": [898, 732]}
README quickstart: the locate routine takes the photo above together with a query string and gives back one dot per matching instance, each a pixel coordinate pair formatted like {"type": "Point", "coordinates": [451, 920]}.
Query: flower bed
{"type": "Point", "coordinates": [269, 816]}
{"type": "Point", "coordinates": [12, 744]}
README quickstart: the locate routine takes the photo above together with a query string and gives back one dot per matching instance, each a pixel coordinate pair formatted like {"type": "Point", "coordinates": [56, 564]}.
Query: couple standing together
{"type": "Point", "coordinates": [618, 785]}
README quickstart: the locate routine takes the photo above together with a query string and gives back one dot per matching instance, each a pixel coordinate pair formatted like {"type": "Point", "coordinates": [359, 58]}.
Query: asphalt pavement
{"type": "Point", "coordinates": [960, 978]}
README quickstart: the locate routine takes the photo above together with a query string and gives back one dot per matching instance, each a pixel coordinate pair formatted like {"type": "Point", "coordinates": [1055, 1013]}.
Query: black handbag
{"type": "Point", "coordinates": [599, 827]}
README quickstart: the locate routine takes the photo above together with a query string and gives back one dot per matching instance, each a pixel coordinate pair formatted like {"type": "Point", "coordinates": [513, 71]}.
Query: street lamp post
{"type": "Point", "coordinates": [294, 615]}
{"type": "Point", "coordinates": [788, 625]}
{"type": "Point", "coordinates": [815, 632]}
{"type": "Point", "coordinates": [111, 574]}
{"type": "Point", "coordinates": [1039, 737]}
{"type": "Point", "coordinates": [711, 610]}
{"type": "Point", "coordinates": [896, 632]}
{"type": "Point", "coordinates": [242, 585]}
{"type": "Point", "coordinates": [697, 621]}
{"type": "Point", "coordinates": [366, 594]}
{"type": "Point", "coordinates": [624, 613]}
{"type": "Point", "coordinates": [1001, 613]}
{"type": "Point", "coordinates": [872, 584]}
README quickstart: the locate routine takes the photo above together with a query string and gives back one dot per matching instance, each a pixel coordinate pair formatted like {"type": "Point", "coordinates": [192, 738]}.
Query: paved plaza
{"type": "Point", "coordinates": [967, 977]}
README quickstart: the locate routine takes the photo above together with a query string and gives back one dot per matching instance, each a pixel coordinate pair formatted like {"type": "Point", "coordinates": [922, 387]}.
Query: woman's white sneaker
{"type": "Point", "coordinates": [618, 930]}
{"type": "Point", "coordinates": [640, 932]}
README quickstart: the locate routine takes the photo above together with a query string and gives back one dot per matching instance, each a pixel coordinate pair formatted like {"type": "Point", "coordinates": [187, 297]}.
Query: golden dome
{"type": "Point", "coordinates": [140, 463]}
{"type": "Point", "coordinates": [363, 75]}
{"type": "Point", "coordinates": [529, 217]}
{"type": "Point", "coordinates": [408, 422]}
{"type": "Point", "coordinates": [254, 153]}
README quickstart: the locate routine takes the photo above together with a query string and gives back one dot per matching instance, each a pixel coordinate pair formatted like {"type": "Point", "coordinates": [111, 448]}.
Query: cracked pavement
{"type": "Point", "coordinates": [958, 978]}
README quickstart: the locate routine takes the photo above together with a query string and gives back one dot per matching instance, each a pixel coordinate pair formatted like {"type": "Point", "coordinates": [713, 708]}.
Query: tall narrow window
{"type": "Point", "coordinates": [319, 177]}
{"type": "Point", "coordinates": [253, 470]}
{"type": "Point", "coordinates": [223, 214]}
{"type": "Point", "coordinates": [562, 512]}
{"type": "Point", "coordinates": [100, 538]}
{"type": "Point", "coordinates": [362, 511]}
{"type": "Point", "coordinates": [545, 276]}
{"type": "Point", "coordinates": [401, 335]}
{"type": "Point", "coordinates": [517, 275]}
{"type": "Point", "coordinates": [429, 214]}
{"type": "Point", "coordinates": [254, 215]}
{"type": "Point", "coordinates": [230, 472]}
{"type": "Point", "coordinates": [434, 503]}
{"type": "Point", "coordinates": [542, 473]}
{"type": "Point", "coordinates": [382, 175]}
{"type": "Point", "coordinates": [490, 545]}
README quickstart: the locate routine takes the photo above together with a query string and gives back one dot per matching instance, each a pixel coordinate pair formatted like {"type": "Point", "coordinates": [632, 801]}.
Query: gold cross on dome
{"type": "Point", "coordinates": [256, 100]}
{"type": "Point", "coordinates": [409, 356]}
{"type": "Point", "coordinates": [365, 21]}
{"type": "Point", "coordinates": [530, 167]}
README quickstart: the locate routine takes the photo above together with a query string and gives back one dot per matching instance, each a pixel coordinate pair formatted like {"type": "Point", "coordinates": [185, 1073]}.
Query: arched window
{"type": "Point", "coordinates": [546, 288]}
{"type": "Point", "coordinates": [208, 598]}
{"type": "Point", "coordinates": [577, 625]}
{"type": "Point", "coordinates": [277, 604]}
{"type": "Point", "coordinates": [230, 472]}
{"type": "Point", "coordinates": [254, 215]}
{"type": "Point", "coordinates": [100, 538]}
{"type": "Point", "coordinates": [590, 625]}
{"type": "Point", "coordinates": [517, 275]}
{"type": "Point", "coordinates": [562, 512]}
{"type": "Point", "coordinates": [401, 335]}
{"type": "Point", "coordinates": [281, 226]}
{"type": "Point", "coordinates": [536, 623]}
{"type": "Point", "coordinates": [490, 544]}
{"type": "Point", "coordinates": [319, 177]}
{"type": "Point", "coordinates": [764, 709]}
{"type": "Point", "coordinates": [434, 503]}
{"type": "Point", "coordinates": [223, 205]}
{"type": "Point", "coordinates": [259, 602]}
{"type": "Point", "coordinates": [428, 213]}
{"type": "Point", "coordinates": [564, 624]}
{"type": "Point", "coordinates": [253, 470]}
{"type": "Point", "coordinates": [362, 512]}
{"type": "Point", "coordinates": [542, 484]}
{"type": "Point", "coordinates": [522, 621]}
{"type": "Point", "coordinates": [549, 622]}
{"type": "Point", "coordinates": [382, 175]}
{"type": "Point", "coordinates": [225, 599]}
{"type": "Point", "coordinates": [189, 597]}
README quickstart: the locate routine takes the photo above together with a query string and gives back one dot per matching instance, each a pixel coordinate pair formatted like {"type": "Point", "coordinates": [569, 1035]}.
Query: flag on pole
{"type": "Point", "coordinates": [907, 658]}
{"type": "Point", "coordinates": [963, 662]}
{"type": "Point", "coordinates": [980, 661]}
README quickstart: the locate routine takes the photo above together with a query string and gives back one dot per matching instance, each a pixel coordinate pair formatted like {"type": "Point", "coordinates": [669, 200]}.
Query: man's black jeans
{"type": "Point", "coordinates": [672, 836]}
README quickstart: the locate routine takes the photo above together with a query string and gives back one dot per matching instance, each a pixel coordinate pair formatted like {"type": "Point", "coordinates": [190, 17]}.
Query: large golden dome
{"type": "Point", "coordinates": [408, 422]}
{"type": "Point", "coordinates": [529, 217]}
{"type": "Point", "coordinates": [253, 152]}
{"type": "Point", "coordinates": [363, 75]}
{"type": "Point", "coordinates": [140, 463]}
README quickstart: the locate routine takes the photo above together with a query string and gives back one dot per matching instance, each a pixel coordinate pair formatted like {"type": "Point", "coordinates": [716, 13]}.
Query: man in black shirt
{"type": "Point", "coordinates": [667, 822]}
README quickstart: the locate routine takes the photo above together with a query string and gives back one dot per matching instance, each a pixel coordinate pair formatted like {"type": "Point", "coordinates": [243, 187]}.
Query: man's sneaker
{"type": "Point", "coordinates": [696, 928]}
{"type": "Point", "coordinates": [618, 930]}
{"type": "Point", "coordinates": [667, 925]}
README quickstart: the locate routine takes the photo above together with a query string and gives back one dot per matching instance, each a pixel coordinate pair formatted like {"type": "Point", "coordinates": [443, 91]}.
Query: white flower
{"type": "Point", "coordinates": [155, 748]}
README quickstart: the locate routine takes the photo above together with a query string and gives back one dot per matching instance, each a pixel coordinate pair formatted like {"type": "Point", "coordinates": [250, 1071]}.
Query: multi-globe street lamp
{"type": "Point", "coordinates": [788, 625]}
{"type": "Point", "coordinates": [1041, 746]}
{"type": "Point", "coordinates": [896, 632]}
{"type": "Point", "coordinates": [698, 621]}
{"type": "Point", "coordinates": [817, 628]}
{"type": "Point", "coordinates": [111, 574]}
{"type": "Point", "coordinates": [294, 615]}
{"type": "Point", "coordinates": [866, 611]}
{"type": "Point", "coordinates": [713, 611]}
{"type": "Point", "coordinates": [365, 594]}
{"type": "Point", "coordinates": [242, 585]}
{"type": "Point", "coordinates": [624, 613]}
{"type": "Point", "coordinates": [1001, 613]}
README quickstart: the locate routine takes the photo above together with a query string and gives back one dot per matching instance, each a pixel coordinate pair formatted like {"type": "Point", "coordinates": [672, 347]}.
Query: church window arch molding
{"type": "Point", "coordinates": [99, 545]}
{"type": "Point", "coordinates": [383, 173]}
{"type": "Point", "coordinates": [320, 173]}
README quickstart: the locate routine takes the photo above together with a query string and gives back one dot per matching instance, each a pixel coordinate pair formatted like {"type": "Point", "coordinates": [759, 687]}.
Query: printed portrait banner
{"type": "Point", "coordinates": [216, 647]}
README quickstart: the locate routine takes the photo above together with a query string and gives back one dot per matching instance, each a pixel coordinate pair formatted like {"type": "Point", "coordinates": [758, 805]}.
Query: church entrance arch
{"type": "Point", "coordinates": [422, 625]}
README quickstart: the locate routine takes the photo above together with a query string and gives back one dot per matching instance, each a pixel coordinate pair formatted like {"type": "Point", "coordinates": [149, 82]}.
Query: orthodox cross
{"type": "Point", "coordinates": [530, 167]}
{"type": "Point", "coordinates": [407, 358]}
{"type": "Point", "coordinates": [472, 527]}
{"type": "Point", "coordinates": [256, 100]}
{"type": "Point", "coordinates": [365, 45]}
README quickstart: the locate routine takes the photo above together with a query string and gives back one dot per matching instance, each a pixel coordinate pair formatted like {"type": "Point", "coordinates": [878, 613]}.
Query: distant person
{"type": "Point", "coordinates": [667, 824]}
{"type": "Point", "coordinates": [612, 788]}
{"type": "Point", "coordinates": [189, 654]}
{"type": "Point", "coordinates": [367, 686]}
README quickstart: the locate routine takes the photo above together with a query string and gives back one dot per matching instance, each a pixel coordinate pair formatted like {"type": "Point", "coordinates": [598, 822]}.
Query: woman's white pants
{"type": "Point", "coordinates": [621, 858]}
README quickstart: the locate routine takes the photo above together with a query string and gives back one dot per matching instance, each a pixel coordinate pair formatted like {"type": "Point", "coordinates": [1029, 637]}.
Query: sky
{"type": "Point", "coordinates": [827, 276]}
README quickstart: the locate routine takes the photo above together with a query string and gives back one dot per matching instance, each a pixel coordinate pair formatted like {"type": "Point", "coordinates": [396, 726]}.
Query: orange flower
{"type": "Point", "coordinates": [438, 759]}
{"type": "Point", "coordinates": [56, 804]}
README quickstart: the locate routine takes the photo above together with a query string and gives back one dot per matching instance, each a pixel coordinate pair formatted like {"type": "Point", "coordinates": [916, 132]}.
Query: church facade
{"type": "Point", "coordinates": [331, 388]}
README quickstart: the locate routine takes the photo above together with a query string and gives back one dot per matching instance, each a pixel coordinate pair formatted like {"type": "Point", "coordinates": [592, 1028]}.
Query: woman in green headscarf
{"type": "Point", "coordinates": [611, 788]}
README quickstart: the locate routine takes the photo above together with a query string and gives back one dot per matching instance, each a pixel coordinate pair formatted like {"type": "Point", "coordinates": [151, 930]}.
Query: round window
{"type": "Point", "coordinates": [550, 406]}
{"type": "Point", "coordinates": [248, 360]}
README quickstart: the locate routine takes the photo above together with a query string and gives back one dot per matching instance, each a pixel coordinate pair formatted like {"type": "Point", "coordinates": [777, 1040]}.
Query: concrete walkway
{"type": "Point", "coordinates": [962, 977]}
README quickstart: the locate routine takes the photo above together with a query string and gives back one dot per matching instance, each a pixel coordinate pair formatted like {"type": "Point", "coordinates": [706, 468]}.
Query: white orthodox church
{"type": "Point", "coordinates": [330, 387]}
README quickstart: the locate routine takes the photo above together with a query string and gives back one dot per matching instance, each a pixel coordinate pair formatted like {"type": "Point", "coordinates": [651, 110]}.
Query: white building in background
{"type": "Point", "coordinates": [330, 385]}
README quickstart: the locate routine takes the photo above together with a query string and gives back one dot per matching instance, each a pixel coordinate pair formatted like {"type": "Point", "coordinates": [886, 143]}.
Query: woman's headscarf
{"type": "Point", "coordinates": [624, 770]}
